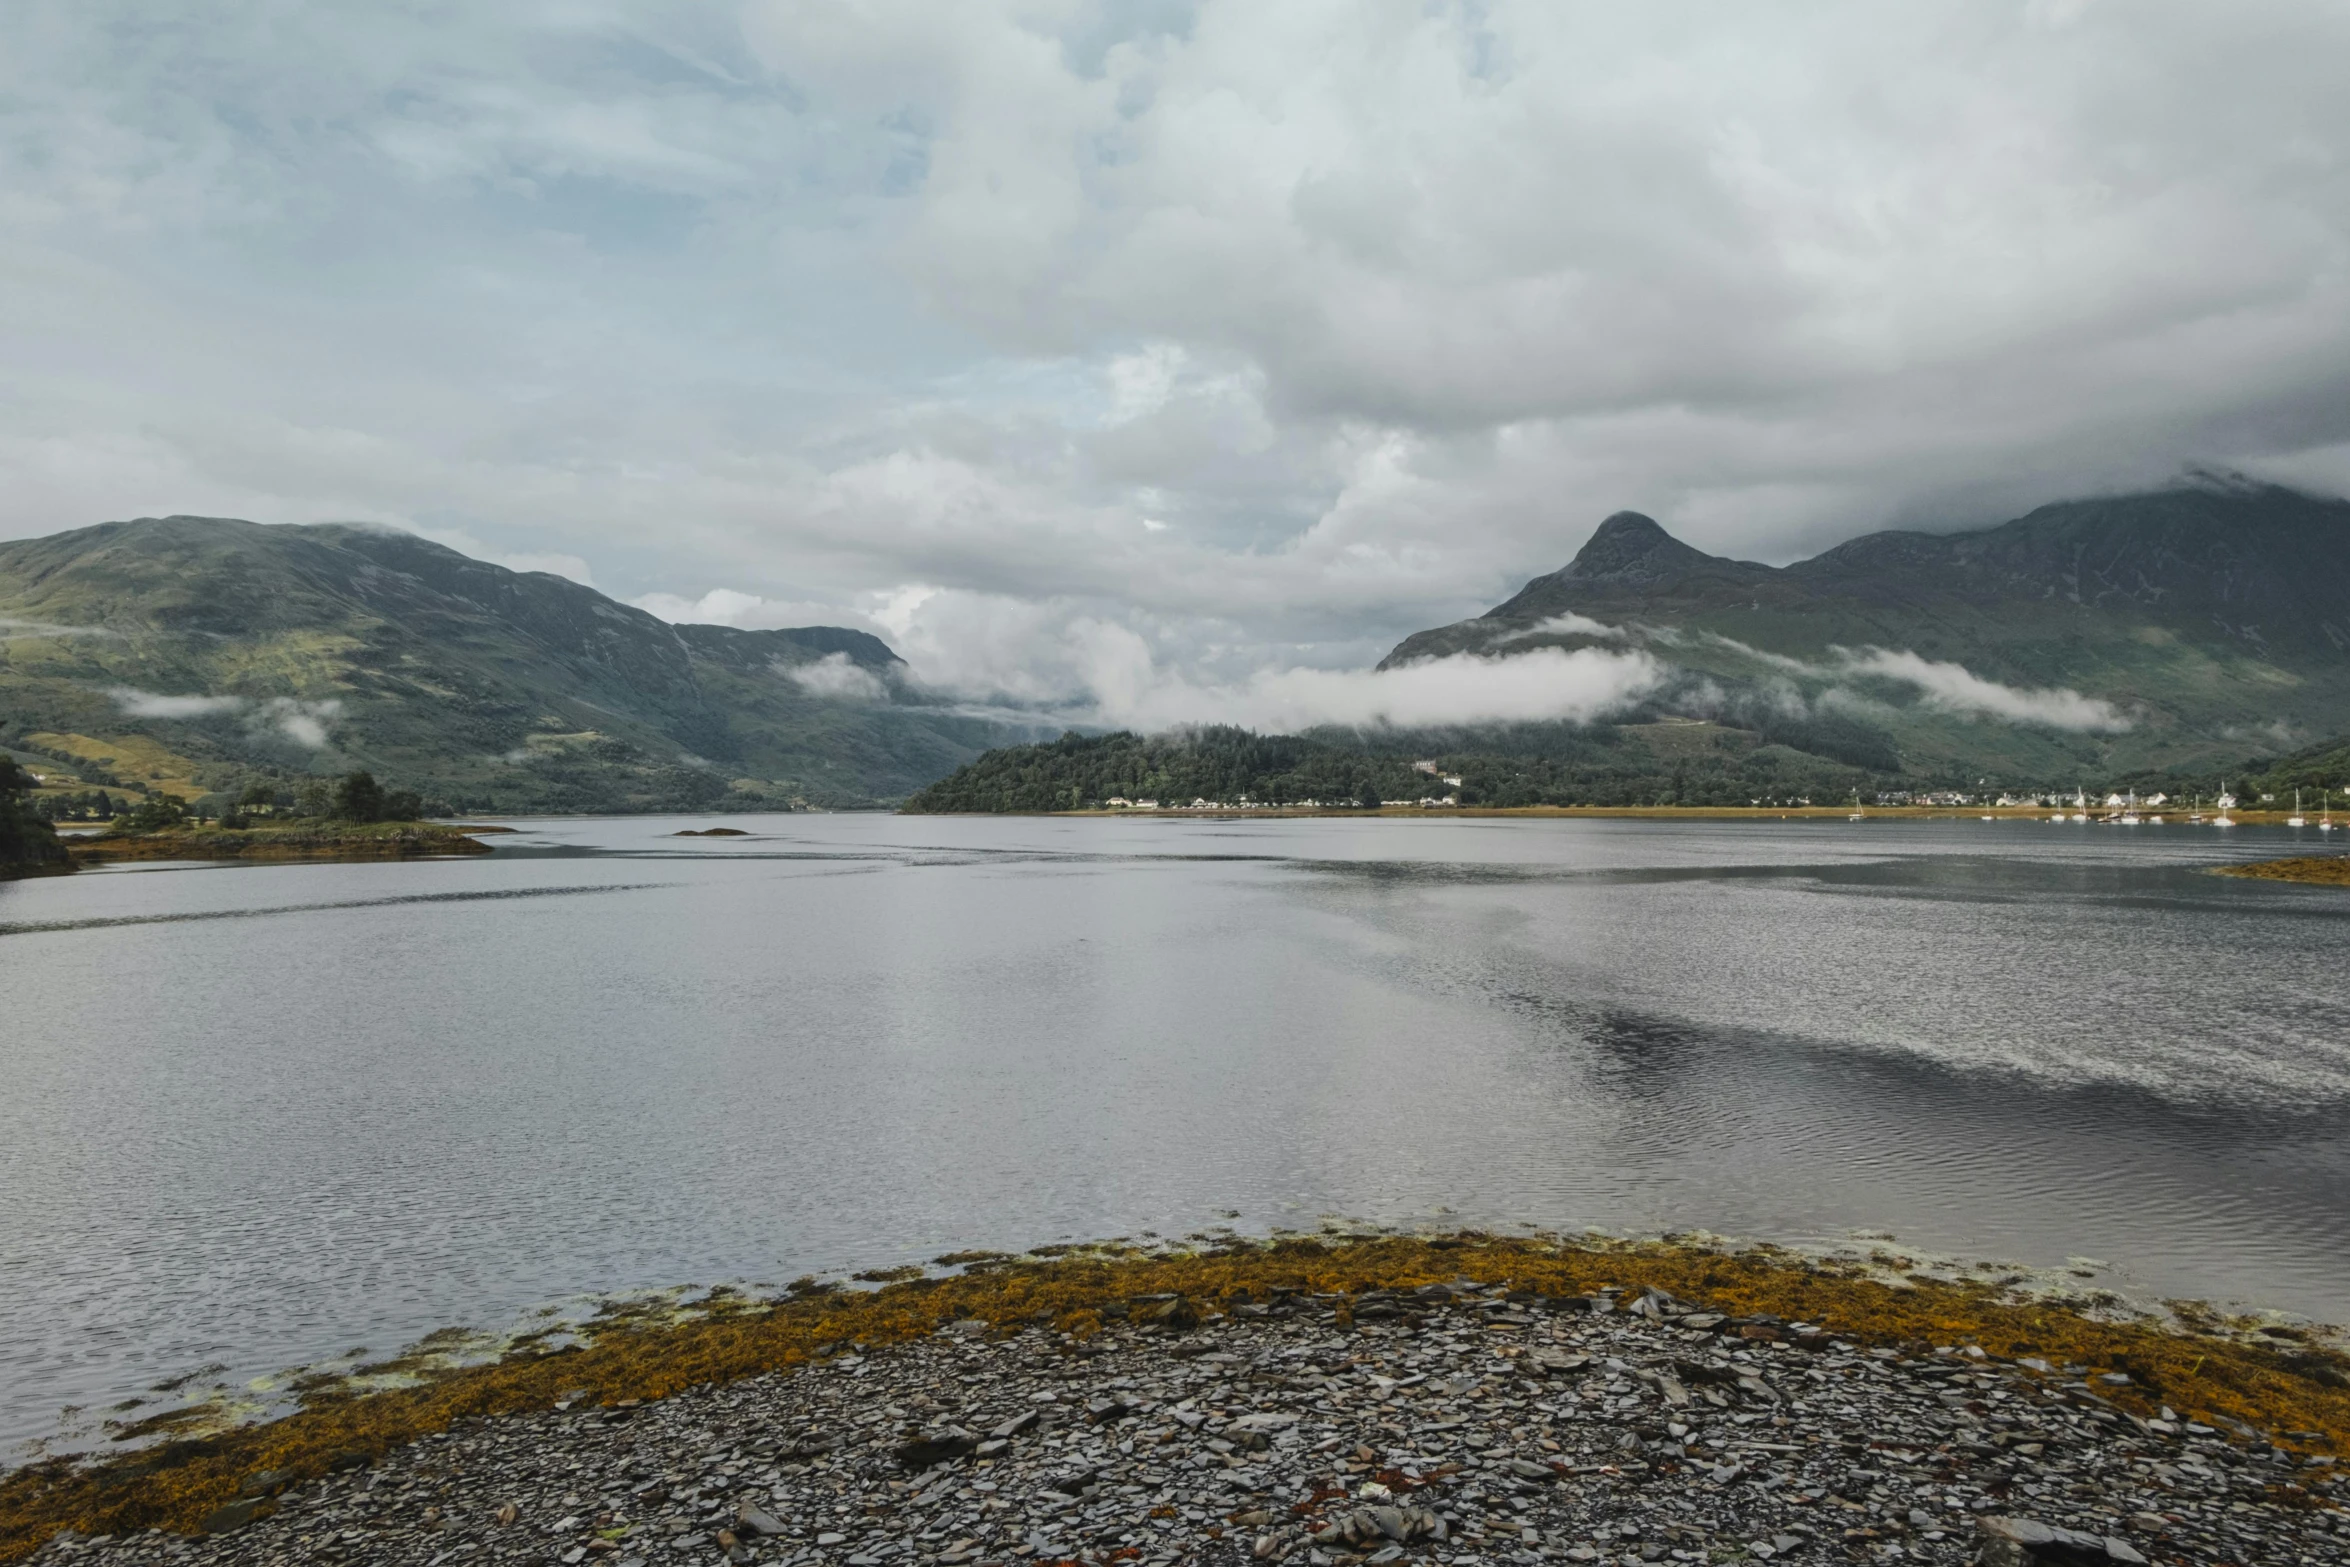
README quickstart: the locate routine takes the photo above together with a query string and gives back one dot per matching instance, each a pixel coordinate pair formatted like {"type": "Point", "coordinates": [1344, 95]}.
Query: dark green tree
{"type": "Point", "coordinates": [359, 798]}
{"type": "Point", "coordinates": [26, 841]}
{"type": "Point", "coordinates": [156, 813]}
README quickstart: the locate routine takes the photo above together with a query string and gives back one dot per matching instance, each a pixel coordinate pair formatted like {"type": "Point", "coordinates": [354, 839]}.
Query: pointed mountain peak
{"type": "Point", "coordinates": [1629, 546]}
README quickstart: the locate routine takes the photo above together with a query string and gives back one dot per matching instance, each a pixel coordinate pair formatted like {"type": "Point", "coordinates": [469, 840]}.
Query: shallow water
{"type": "Point", "coordinates": [260, 1115]}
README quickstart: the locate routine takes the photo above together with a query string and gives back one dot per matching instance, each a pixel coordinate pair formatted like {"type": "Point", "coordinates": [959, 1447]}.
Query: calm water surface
{"type": "Point", "coordinates": [254, 1116]}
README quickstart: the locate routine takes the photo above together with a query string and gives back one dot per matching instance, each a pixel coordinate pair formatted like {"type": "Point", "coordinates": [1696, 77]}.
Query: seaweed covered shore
{"type": "Point", "coordinates": [2323, 870]}
{"type": "Point", "coordinates": [1452, 1399]}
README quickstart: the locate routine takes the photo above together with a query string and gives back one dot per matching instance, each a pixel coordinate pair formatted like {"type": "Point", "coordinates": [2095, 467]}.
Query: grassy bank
{"type": "Point", "coordinates": [2205, 1367]}
{"type": "Point", "coordinates": [309, 841]}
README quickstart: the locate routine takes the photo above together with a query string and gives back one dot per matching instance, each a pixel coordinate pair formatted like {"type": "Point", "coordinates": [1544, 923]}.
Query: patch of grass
{"type": "Point", "coordinates": [134, 758]}
{"type": "Point", "coordinates": [2229, 1372]}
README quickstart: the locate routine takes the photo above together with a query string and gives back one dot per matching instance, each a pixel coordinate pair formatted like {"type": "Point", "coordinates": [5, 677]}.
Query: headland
{"type": "Point", "coordinates": [1453, 1399]}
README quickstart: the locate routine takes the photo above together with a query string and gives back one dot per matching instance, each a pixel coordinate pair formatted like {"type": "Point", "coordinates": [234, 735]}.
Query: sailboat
{"type": "Point", "coordinates": [2223, 819]}
{"type": "Point", "coordinates": [2296, 819]}
{"type": "Point", "coordinates": [2325, 820]}
{"type": "Point", "coordinates": [1856, 815]}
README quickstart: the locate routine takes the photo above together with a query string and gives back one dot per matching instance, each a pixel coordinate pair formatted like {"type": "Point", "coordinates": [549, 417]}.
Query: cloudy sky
{"type": "Point", "coordinates": [1103, 345]}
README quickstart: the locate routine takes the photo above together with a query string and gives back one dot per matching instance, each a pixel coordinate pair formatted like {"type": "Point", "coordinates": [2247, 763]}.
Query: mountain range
{"type": "Point", "coordinates": [193, 654]}
{"type": "Point", "coordinates": [2184, 629]}
{"type": "Point", "coordinates": [2181, 634]}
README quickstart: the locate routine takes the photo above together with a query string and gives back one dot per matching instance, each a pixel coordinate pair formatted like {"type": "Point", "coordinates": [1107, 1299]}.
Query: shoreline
{"type": "Point", "coordinates": [2282, 1390]}
{"type": "Point", "coordinates": [2102, 817]}
{"type": "Point", "coordinates": [388, 840]}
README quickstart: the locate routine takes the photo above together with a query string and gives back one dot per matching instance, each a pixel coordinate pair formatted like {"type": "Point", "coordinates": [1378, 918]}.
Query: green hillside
{"type": "Point", "coordinates": [1656, 762]}
{"type": "Point", "coordinates": [2155, 641]}
{"type": "Point", "coordinates": [2212, 620]}
{"type": "Point", "coordinates": [2322, 773]}
{"type": "Point", "coordinates": [193, 656]}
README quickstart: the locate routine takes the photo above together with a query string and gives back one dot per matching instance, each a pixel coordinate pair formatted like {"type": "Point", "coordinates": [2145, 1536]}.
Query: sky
{"type": "Point", "coordinates": [1175, 356]}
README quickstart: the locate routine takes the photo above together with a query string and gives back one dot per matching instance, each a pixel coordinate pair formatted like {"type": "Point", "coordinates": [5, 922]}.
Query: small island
{"type": "Point", "coordinates": [291, 841]}
{"type": "Point", "coordinates": [2324, 870]}
{"type": "Point", "coordinates": [359, 820]}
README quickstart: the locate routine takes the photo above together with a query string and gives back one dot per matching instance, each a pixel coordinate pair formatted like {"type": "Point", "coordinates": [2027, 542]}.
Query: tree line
{"type": "Point", "coordinates": [354, 797]}
{"type": "Point", "coordinates": [1229, 766]}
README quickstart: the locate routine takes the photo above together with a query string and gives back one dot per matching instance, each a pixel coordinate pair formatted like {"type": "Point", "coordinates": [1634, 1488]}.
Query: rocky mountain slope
{"type": "Point", "coordinates": [193, 655]}
{"type": "Point", "coordinates": [2193, 626]}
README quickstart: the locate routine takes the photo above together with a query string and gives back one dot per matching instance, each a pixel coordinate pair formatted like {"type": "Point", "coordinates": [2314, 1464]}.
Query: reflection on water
{"type": "Point", "coordinates": [257, 1115]}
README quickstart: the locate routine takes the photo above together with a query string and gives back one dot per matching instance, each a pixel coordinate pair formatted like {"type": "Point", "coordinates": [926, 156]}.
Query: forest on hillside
{"type": "Point", "coordinates": [1634, 764]}
{"type": "Point", "coordinates": [1564, 765]}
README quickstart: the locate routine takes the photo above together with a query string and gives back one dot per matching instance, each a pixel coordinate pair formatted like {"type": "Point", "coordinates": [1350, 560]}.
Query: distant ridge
{"type": "Point", "coordinates": [2215, 613]}
{"type": "Point", "coordinates": [216, 648]}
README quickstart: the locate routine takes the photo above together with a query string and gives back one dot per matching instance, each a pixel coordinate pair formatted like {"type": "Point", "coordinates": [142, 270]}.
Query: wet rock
{"type": "Point", "coordinates": [227, 1520]}
{"type": "Point", "coordinates": [1178, 1314]}
{"type": "Point", "coordinates": [933, 1448]}
{"type": "Point", "coordinates": [1555, 1362]}
{"type": "Point", "coordinates": [754, 1520]}
{"type": "Point", "coordinates": [2025, 1542]}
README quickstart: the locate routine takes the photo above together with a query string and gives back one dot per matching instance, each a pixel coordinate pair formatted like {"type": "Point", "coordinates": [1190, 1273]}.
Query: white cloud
{"type": "Point", "coordinates": [718, 607]}
{"type": "Point", "coordinates": [303, 722]}
{"type": "Point", "coordinates": [155, 704]}
{"type": "Point", "coordinates": [1953, 688]}
{"type": "Point", "coordinates": [748, 611]}
{"type": "Point", "coordinates": [1567, 624]}
{"type": "Point", "coordinates": [1947, 686]}
{"type": "Point", "coordinates": [11, 628]}
{"type": "Point", "coordinates": [1086, 669]}
{"type": "Point", "coordinates": [1546, 684]}
{"type": "Point", "coordinates": [835, 677]}
{"type": "Point", "coordinates": [1270, 333]}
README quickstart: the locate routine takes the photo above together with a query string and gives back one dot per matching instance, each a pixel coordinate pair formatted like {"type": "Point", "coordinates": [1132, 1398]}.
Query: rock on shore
{"type": "Point", "coordinates": [1452, 1424]}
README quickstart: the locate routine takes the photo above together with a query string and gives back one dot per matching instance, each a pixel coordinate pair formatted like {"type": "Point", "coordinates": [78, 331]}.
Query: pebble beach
{"type": "Point", "coordinates": [1460, 1422]}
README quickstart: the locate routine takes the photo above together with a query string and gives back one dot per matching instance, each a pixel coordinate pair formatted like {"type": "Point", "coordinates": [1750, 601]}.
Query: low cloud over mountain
{"type": "Point", "coordinates": [1264, 334]}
